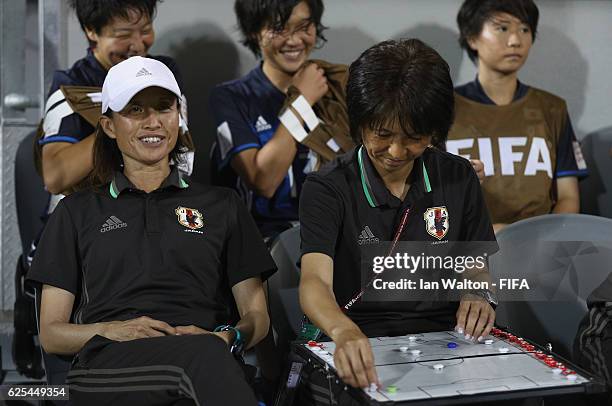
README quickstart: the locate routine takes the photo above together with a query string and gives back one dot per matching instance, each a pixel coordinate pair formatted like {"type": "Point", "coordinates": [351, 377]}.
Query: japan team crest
{"type": "Point", "coordinates": [190, 218]}
{"type": "Point", "coordinates": [436, 221]}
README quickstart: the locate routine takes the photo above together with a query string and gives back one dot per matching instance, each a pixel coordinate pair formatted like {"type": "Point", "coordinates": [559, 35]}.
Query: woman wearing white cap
{"type": "Point", "coordinates": [153, 282]}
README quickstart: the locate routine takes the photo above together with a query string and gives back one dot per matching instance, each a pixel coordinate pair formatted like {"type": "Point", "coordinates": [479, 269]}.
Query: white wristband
{"type": "Point", "coordinates": [293, 125]}
{"type": "Point", "coordinates": [303, 108]}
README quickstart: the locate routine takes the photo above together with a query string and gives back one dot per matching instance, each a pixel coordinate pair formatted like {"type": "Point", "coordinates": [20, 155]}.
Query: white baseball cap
{"type": "Point", "coordinates": [129, 77]}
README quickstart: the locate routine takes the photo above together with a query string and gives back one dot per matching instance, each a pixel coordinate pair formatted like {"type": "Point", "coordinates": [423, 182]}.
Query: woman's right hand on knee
{"type": "Point", "coordinates": [141, 327]}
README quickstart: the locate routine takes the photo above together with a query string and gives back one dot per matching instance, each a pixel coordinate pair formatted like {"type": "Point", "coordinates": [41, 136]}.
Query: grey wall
{"type": "Point", "coordinates": [571, 57]}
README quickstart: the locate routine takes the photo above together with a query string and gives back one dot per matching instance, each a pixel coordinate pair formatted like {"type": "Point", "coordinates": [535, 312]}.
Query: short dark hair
{"type": "Point", "coordinates": [254, 15]}
{"type": "Point", "coordinates": [107, 158]}
{"type": "Point", "coordinates": [474, 13]}
{"type": "Point", "coordinates": [96, 14]}
{"type": "Point", "coordinates": [406, 81]}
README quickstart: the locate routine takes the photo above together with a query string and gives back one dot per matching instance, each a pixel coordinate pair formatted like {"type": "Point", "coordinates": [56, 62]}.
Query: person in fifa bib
{"type": "Point", "coordinates": [523, 135]}
{"type": "Point", "coordinates": [154, 282]}
{"type": "Point", "coordinates": [400, 101]}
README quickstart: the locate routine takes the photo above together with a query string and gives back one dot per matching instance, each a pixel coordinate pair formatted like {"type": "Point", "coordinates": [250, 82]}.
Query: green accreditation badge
{"type": "Point", "coordinates": [309, 331]}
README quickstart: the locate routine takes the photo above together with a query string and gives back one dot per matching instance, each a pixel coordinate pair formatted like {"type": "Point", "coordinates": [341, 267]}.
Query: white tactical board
{"type": "Point", "coordinates": [422, 366]}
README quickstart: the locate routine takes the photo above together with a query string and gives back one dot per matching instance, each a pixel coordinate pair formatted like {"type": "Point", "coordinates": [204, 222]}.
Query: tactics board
{"type": "Point", "coordinates": [444, 364]}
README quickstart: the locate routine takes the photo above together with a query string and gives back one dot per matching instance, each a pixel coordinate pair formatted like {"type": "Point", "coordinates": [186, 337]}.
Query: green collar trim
{"type": "Point", "coordinates": [182, 184]}
{"type": "Point", "coordinates": [112, 189]}
{"type": "Point", "coordinates": [426, 178]}
{"type": "Point", "coordinates": [364, 182]}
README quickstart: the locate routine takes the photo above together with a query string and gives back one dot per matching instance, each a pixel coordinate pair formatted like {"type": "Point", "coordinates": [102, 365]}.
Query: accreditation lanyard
{"type": "Point", "coordinates": [396, 238]}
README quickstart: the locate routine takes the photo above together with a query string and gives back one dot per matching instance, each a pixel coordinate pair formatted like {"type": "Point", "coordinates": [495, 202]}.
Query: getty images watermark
{"type": "Point", "coordinates": [517, 271]}
{"type": "Point", "coordinates": [457, 264]}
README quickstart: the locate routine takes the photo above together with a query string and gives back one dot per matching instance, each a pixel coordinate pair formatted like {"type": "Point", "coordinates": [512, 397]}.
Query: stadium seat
{"type": "Point", "coordinates": [30, 194]}
{"type": "Point", "coordinates": [567, 256]}
{"type": "Point", "coordinates": [286, 314]}
{"type": "Point", "coordinates": [31, 200]}
{"type": "Point", "coordinates": [596, 189]}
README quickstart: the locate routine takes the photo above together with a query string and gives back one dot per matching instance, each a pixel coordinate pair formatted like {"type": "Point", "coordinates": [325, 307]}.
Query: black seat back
{"type": "Point", "coordinates": [565, 257]}
{"type": "Point", "coordinates": [286, 313]}
{"type": "Point", "coordinates": [32, 198]}
{"type": "Point", "coordinates": [30, 194]}
{"type": "Point", "coordinates": [596, 189]}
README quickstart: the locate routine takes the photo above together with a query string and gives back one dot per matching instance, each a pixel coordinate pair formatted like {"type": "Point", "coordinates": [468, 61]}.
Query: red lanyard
{"type": "Point", "coordinates": [398, 233]}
